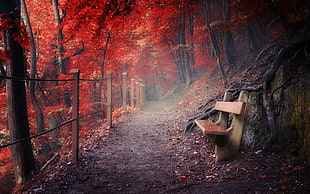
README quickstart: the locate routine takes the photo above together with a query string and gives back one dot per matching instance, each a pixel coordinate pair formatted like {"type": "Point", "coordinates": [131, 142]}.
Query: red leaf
{"type": "Point", "coordinates": [284, 187]}
{"type": "Point", "coordinates": [262, 177]}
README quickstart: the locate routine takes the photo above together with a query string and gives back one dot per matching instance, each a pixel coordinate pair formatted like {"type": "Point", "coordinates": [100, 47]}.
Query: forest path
{"type": "Point", "coordinates": [147, 152]}
{"type": "Point", "coordinates": [137, 156]}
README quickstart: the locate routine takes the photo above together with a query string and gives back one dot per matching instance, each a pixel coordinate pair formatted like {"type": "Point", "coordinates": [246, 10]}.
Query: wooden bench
{"type": "Point", "coordinates": [227, 139]}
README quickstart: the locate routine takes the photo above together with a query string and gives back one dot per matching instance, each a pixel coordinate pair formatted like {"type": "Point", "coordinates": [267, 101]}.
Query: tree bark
{"type": "Point", "coordinates": [60, 48]}
{"type": "Point", "coordinates": [182, 43]}
{"type": "Point", "coordinates": [22, 155]}
{"type": "Point", "coordinates": [33, 71]}
{"type": "Point", "coordinates": [183, 55]}
{"type": "Point", "coordinates": [190, 50]}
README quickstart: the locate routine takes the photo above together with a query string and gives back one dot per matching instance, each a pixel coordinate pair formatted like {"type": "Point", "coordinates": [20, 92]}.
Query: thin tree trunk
{"type": "Point", "coordinates": [190, 49]}
{"type": "Point", "coordinates": [229, 48]}
{"type": "Point", "coordinates": [254, 40]}
{"type": "Point", "coordinates": [171, 53]}
{"type": "Point", "coordinates": [102, 66]}
{"type": "Point", "coordinates": [22, 155]}
{"type": "Point", "coordinates": [60, 48]}
{"type": "Point", "coordinates": [183, 55]}
{"type": "Point", "coordinates": [215, 47]}
{"type": "Point", "coordinates": [178, 61]}
{"type": "Point", "coordinates": [33, 71]}
{"type": "Point", "coordinates": [180, 57]}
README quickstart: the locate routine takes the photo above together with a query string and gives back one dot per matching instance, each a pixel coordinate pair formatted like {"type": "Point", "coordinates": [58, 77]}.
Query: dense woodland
{"type": "Point", "coordinates": [165, 44]}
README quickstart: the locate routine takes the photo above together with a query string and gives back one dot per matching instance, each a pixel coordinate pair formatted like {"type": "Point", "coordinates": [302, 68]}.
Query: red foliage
{"type": "Point", "coordinates": [5, 55]}
{"type": "Point", "coordinates": [133, 36]}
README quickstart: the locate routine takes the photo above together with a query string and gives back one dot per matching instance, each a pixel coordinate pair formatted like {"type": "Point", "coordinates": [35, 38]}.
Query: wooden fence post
{"type": "Point", "coordinates": [132, 93]}
{"type": "Point", "coordinates": [142, 95]}
{"type": "Point", "coordinates": [109, 98]}
{"type": "Point", "coordinates": [75, 115]}
{"type": "Point", "coordinates": [137, 94]}
{"type": "Point", "coordinates": [125, 91]}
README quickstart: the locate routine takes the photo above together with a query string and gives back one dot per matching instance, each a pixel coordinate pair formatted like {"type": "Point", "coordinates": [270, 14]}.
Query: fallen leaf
{"type": "Point", "coordinates": [262, 177]}
{"type": "Point", "coordinates": [284, 187]}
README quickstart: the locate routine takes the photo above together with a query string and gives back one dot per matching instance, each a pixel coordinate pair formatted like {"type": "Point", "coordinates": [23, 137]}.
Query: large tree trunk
{"type": "Point", "coordinates": [33, 71]}
{"type": "Point", "coordinates": [22, 155]}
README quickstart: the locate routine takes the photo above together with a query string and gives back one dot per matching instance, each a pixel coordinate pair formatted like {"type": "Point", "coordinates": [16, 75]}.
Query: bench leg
{"type": "Point", "coordinates": [230, 149]}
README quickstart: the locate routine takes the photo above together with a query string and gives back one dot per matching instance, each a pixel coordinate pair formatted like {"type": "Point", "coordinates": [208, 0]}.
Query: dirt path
{"type": "Point", "coordinates": [136, 157]}
{"type": "Point", "coordinates": [146, 152]}
{"type": "Point", "coordinates": [130, 160]}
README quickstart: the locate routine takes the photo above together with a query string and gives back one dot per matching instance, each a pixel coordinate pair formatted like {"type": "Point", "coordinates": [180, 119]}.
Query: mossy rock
{"type": "Point", "coordinates": [254, 123]}
{"type": "Point", "coordinates": [293, 109]}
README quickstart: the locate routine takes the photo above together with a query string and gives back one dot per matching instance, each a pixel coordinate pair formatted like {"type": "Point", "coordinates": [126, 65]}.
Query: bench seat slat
{"type": "Point", "coordinates": [231, 107]}
{"type": "Point", "coordinates": [209, 127]}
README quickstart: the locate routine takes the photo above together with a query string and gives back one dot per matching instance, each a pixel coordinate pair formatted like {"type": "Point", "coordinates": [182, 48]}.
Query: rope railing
{"type": "Point", "coordinates": [33, 79]}
{"type": "Point", "coordinates": [50, 130]}
{"type": "Point", "coordinates": [54, 80]}
{"type": "Point", "coordinates": [37, 135]}
{"type": "Point", "coordinates": [102, 79]}
{"type": "Point", "coordinates": [136, 99]}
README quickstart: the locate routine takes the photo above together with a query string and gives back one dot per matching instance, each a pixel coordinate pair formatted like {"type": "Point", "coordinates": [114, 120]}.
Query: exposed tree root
{"type": "Point", "coordinates": [267, 48]}
{"type": "Point", "coordinates": [209, 101]}
{"type": "Point", "coordinates": [49, 161]}
{"type": "Point", "coordinates": [285, 56]}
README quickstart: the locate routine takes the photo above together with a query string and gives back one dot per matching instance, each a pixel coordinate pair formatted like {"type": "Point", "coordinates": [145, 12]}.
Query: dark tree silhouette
{"type": "Point", "coordinates": [22, 155]}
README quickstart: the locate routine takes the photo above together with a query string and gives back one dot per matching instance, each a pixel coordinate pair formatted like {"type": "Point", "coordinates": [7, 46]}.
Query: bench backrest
{"type": "Point", "coordinates": [230, 107]}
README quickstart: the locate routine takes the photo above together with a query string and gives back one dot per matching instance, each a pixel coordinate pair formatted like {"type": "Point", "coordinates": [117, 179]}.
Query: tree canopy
{"type": "Point", "coordinates": [162, 43]}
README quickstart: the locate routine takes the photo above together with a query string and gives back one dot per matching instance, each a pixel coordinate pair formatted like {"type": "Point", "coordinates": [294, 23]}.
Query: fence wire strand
{"type": "Point", "coordinates": [62, 124]}
{"type": "Point", "coordinates": [53, 80]}
{"type": "Point", "coordinates": [33, 79]}
{"type": "Point", "coordinates": [50, 130]}
{"type": "Point", "coordinates": [38, 135]}
{"type": "Point", "coordinates": [97, 80]}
